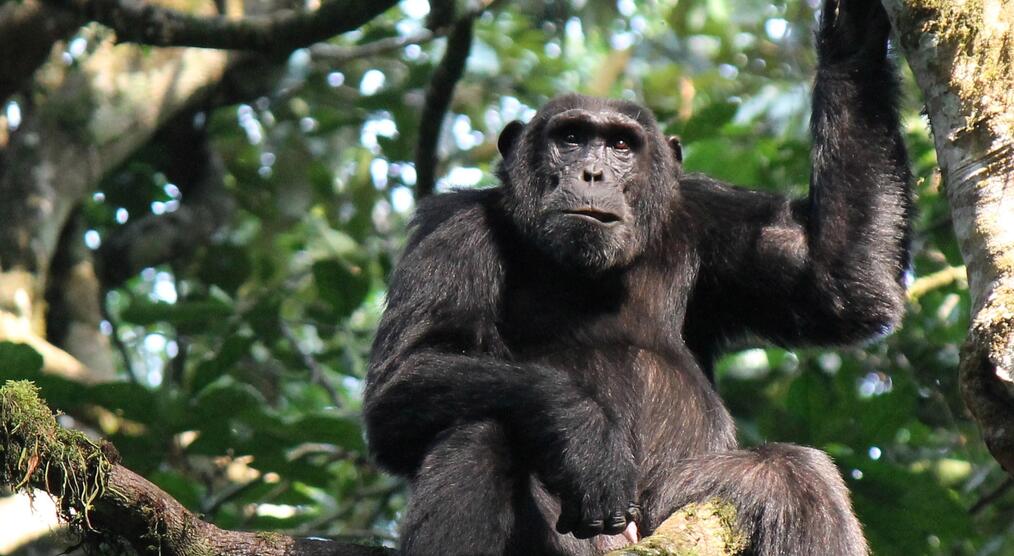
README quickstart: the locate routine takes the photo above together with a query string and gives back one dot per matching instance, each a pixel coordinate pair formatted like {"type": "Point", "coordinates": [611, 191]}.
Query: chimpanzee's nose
{"type": "Point", "coordinates": [592, 173]}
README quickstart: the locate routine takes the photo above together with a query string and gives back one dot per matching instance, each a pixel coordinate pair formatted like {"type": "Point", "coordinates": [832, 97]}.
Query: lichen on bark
{"type": "Point", "coordinates": [983, 67]}
{"type": "Point", "coordinates": [705, 529]}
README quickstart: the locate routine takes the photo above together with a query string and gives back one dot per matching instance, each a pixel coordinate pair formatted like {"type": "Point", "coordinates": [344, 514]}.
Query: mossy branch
{"type": "Point", "coordinates": [97, 496]}
{"type": "Point", "coordinates": [36, 452]}
{"type": "Point", "coordinates": [706, 529]}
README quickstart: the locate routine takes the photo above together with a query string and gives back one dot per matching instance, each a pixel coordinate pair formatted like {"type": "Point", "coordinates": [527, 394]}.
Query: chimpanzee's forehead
{"type": "Point", "coordinates": [594, 104]}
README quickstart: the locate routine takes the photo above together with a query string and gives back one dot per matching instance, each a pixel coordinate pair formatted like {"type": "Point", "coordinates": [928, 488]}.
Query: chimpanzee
{"type": "Point", "coordinates": [542, 373]}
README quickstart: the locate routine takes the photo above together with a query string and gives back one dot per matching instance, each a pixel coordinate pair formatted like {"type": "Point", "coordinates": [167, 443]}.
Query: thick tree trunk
{"type": "Point", "coordinates": [962, 55]}
{"type": "Point", "coordinates": [42, 181]}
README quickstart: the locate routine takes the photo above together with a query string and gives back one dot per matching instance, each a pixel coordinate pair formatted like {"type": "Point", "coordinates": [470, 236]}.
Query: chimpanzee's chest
{"type": "Point", "coordinates": [544, 312]}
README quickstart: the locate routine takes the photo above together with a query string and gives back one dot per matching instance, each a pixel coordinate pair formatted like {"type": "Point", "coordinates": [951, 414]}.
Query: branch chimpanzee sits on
{"type": "Point", "coordinates": [542, 373]}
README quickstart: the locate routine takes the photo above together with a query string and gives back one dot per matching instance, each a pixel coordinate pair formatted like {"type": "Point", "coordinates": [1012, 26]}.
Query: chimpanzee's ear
{"type": "Point", "coordinates": [677, 147]}
{"type": "Point", "coordinates": [509, 138]}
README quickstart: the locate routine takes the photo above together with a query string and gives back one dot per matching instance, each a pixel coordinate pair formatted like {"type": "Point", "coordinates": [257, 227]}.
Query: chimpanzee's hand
{"type": "Point", "coordinates": [591, 469]}
{"type": "Point", "coordinates": [852, 30]}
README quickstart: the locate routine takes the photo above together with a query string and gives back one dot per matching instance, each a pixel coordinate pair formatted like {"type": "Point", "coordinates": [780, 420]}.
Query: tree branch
{"type": "Point", "coordinates": [21, 322]}
{"type": "Point", "coordinates": [992, 496]}
{"type": "Point", "coordinates": [936, 280]}
{"type": "Point", "coordinates": [73, 303]}
{"type": "Point", "coordinates": [276, 33]}
{"type": "Point", "coordinates": [28, 31]}
{"type": "Point", "coordinates": [154, 239]}
{"type": "Point", "coordinates": [55, 361]}
{"type": "Point", "coordinates": [438, 99]}
{"type": "Point", "coordinates": [706, 529]}
{"type": "Point", "coordinates": [38, 193]}
{"type": "Point", "coordinates": [98, 494]}
{"type": "Point", "coordinates": [337, 55]}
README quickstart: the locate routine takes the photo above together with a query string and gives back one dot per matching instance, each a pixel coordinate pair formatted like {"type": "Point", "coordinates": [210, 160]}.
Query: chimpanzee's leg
{"type": "Point", "coordinates": [789, 499]}
{"type": "Point", "coordinates": [472, 497]}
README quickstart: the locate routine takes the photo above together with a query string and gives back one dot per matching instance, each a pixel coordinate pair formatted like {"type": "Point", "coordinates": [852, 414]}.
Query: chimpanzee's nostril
{"type": "Point", "coordinates": [591, 173]}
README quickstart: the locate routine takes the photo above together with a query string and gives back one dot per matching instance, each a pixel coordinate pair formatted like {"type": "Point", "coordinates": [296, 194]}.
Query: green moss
{"type": "Point", "coordinates": [36, 452]}
{"type": "Point", "coordinates": [271, 537]}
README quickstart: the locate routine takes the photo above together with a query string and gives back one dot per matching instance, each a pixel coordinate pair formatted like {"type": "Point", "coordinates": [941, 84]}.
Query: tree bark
{"type": "Point", "coordinates": [707, 529]}
{"type": "Point", "coordinates": [962, 55]}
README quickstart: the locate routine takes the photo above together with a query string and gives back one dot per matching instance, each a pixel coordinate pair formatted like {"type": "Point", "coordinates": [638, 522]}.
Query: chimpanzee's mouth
{"type": "Point", "coordinates": [599, 216]}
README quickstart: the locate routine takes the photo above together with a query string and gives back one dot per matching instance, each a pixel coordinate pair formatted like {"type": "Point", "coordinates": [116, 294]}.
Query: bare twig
{"type": "Point", "coordinates": [118, 342]}
{"type": "Point", "coordinates": [318, 375]}
{"type": "Point", "coordinates": [343, 54]}
{"type": "Point", "coordinates": [211, 507]}
{"type": "Point", "coordinates": [991, 496]}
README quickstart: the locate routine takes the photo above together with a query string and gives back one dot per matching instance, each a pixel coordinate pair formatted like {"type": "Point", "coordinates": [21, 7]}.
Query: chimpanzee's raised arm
{"type": "Point", "coordinates": [828, 268]}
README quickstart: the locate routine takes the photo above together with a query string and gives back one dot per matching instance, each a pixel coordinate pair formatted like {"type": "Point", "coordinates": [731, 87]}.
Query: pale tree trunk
{"type": "Point", "coordinates": [962, 55]}
{"type": "Point", "coordinates": [116, 100]}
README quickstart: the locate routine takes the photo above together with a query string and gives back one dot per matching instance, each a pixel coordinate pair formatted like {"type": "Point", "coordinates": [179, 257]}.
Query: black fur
{"type": "Point", "coordinates": [542, 371]}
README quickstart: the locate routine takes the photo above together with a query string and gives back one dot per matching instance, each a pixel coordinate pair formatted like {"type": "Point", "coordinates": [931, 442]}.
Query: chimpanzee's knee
{"type": "Point", "coordinates": [462, 495]}
{"type": "Point", "coordinates": [789, 499]}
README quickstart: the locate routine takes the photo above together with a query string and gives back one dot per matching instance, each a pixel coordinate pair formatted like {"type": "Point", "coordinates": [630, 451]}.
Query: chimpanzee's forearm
{"type": "Point", "coordinates": [857, 213]}
{"type": "Point", "coordinates": [431, 391]}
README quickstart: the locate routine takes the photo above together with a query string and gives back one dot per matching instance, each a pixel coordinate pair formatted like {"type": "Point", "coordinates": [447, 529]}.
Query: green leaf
{"type": "Point", "coordinates": [141, 453]}
{"type": "Point", "coordinates": [130, 400]}
{"type": "Point", "coordinates": [185, 490]}
{"type": "Point", "coordinates": [331, 429]}
{"type": "Point", "coordinates": [263, 318]}
{"type": "Point", "coordinates": [227, 398]}
{"type": "Point", "coordinates": [188, 316]}
{"type": "Point", "coordinates": [341, 285]}
{"type": "Point", "coordinates": [226, 266]}
{"type": "Point", "coordinates": [719, 158]}
{"type": "Point", "coordinates": [708, 122]}
{"type": "Point", "coordinates": [233, 349]}
{"type": "Point", "coordinates": [18, 361]}
{"type": "Point", "coordinates": [901, 509]}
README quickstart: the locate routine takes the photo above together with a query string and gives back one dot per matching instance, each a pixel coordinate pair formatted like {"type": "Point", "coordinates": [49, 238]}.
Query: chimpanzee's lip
{"type": "Point", "coordinates": [599, 216]}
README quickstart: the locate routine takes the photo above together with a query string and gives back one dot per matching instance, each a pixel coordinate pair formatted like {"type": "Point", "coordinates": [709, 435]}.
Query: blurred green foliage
{"type": "Point", "coordinates": [242, 387]}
